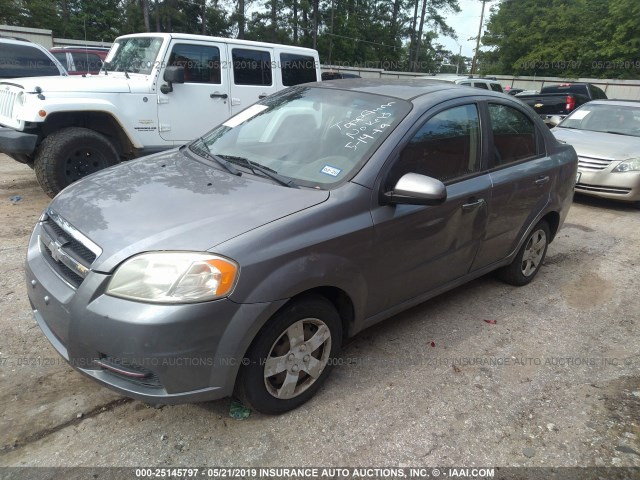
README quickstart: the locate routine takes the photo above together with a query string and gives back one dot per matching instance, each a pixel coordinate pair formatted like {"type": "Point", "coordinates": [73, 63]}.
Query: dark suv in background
{"type": "Point", "coordinates": [22, 58]}
{"type": "Point", "coordinates": [80, 60]}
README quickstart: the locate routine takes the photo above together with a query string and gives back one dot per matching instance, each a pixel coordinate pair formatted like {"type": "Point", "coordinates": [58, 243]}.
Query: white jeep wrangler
{"type": "Point", "coordinates": [156, 91]}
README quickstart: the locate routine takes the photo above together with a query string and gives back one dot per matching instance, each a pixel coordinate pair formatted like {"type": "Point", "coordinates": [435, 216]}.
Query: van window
{"type": "Point", "coordinates": [251, 67]}
{"type": "Point", "coordinates": [201, 62]}
{"type": "Point", "coordinates": [297, 69]}
{"type": "Point", "coordinates": [496, 87]}
{"type": "Point", "coordinates": [480, 85]}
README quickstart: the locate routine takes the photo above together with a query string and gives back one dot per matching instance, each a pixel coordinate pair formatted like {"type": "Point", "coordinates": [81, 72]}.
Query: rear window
{"type": "Point", "coordinates": [25, 61]}
{"type": "Point", "coordinates": [572, 88]}
{"type": "Point", "coordinates": [297, 69]}
{"type": "Point", "coordinates": [496, 87]}
{"type": "Point", "coordinates": [251, 67]}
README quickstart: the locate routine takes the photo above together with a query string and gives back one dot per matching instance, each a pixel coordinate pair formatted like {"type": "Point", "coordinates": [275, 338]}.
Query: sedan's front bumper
{"type": "Point", "coordinates": [607, 184]}
{"type": "Point", "coordinates": [155, 353]}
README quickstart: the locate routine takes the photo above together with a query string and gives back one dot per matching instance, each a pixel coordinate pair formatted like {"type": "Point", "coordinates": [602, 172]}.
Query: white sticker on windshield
{"type": "Point", "coordinates": [329, 170]}
{"type": "Point", "coordinates": [580, 114]}
{"type": "Point", "coordinates": [245, 115]}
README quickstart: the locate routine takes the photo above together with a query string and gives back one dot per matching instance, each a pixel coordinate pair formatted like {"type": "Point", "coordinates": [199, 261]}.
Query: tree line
{"type": "Point", "coordinates": [569, 38]}
{"type": "Point", "coordinates": [396, 35]}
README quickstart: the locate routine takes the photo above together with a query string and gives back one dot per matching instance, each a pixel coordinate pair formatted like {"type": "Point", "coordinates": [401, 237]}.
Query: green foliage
{"type": "Point", "coordinates": [360, 33]}
{"type": "Point", "coordinates": [577, 38]}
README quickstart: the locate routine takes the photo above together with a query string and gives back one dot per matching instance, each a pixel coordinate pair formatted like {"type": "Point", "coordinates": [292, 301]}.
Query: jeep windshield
{"type": "Point", "coordinates": [316, 137]}
{"type": "Point", "coordinates": [133, 55]}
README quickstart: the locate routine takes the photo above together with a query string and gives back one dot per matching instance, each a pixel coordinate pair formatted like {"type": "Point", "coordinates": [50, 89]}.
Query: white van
{"type": "Point", "coordinates": [156, 91]}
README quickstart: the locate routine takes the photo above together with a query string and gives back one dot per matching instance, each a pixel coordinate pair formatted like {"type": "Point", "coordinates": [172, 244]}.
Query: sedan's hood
{"type": "Point", "coordinates": [170, 201]}
{"type": "Point", "coordinates": [598, 144]}
{"type": "Point", "coordinates": [77, 84]}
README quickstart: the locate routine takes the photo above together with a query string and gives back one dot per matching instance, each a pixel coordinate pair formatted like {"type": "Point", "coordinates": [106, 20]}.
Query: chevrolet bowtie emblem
{"type": "Point", "coordinates": [538, 105]}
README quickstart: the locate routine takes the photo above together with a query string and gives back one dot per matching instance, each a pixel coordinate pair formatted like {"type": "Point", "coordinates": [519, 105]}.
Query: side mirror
{"type": "Point", "coordinates": [171, 75]}
{"type": "Point", "coordinates": [416, 189]}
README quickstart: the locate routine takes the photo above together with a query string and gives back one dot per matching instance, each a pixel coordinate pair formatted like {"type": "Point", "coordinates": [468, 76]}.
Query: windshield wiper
{"type": "Point", "coordinates": [616, 133]}
{"type": "Point", "coordinates": [266, 171]}
{"type": "Point", "coordinates": [227, 166]}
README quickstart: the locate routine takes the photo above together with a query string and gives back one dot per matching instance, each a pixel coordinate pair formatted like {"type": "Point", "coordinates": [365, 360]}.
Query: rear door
{"type": "Point", "coordinates": [522, 175]}
{"type": "Point", "coordinates": [202, 101]}
{"type": "Point", "coordinates": [252, 75]}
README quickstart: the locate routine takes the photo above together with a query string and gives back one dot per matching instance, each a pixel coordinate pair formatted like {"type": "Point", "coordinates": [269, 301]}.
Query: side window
{"type": "Point", "coordinates": [480, 85]}
{"type": "Point", "coordinates": [297, 69]}
{"type": "Point", "coordinates": [201, 62]}
{"type": "Point", "coordinates": [514, 134]}
{"type": "Point", "coordinates": [496, 87]}
{"type": "Point", "coordinates": [251, 67]}
{"type": "Point", "coordinates": [62, 58]}
{"type": "Point", "coordinates": [446, 147]}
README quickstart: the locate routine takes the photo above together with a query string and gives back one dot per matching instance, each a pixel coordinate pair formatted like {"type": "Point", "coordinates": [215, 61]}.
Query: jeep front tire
{"type": "Point", "coordinates": [70, 154]}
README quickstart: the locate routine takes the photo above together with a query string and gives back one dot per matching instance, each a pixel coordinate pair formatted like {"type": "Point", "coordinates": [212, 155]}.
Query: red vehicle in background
{"type": "Point", "coordinates": [80, 60]}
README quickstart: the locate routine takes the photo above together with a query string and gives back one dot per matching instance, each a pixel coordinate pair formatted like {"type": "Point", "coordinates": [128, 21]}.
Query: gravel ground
{"type": "Point", "coordinates": [554, 381]}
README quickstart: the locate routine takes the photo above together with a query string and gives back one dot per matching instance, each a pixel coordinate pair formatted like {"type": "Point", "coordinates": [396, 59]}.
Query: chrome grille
{"type": "Point", "coordinates": [7, 99]}
{"type": "Point", "coordinates": [67, 251]}
{"type": "Point", "coordinates": [603, 189]}
{"type": "Point", "coordinates": [593, 164]}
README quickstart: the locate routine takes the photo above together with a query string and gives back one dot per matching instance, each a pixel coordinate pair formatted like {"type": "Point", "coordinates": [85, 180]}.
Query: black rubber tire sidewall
{"type": "Point", "coordinates": [250, 388]}
{"type": "Point", "coordinates": [55, 148]}
{"type": "Point", "coordinates": [512, 273]}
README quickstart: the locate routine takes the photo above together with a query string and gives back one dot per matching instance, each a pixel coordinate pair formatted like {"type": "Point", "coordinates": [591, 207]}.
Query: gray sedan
{"type": "Point", "coordinates": [606, 135]}
{"type": "Point", "coordinates": [240, 263]}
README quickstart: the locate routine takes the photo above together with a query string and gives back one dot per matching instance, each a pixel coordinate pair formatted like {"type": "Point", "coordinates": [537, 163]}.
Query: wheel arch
{"type": "Point", "coordinates": [553, 220]}
{"type": "Point", "coordinates": [99, 121]}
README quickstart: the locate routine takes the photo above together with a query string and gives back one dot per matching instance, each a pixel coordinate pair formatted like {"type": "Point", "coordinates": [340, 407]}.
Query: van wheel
{"type": "Point", "coordinates": [70, 154]}
{"type": "Point", "coordinates": [291, 356]}
{"type": "Point", "coordinates": [527, 263]}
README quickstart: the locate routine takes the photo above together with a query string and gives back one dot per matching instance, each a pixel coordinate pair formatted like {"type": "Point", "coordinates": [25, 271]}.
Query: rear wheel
{"type": "Point", "coordinates": [70, 154]}
{"type": "Point", "coordinates": [527, 262]}
{"type": "Point", "coordinates": [291, 356]}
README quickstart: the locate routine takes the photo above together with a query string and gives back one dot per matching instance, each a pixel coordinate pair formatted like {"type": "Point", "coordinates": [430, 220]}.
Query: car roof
{"type": "Point", "coordinates": [613, 101]}
{"type": "Point", "coordinates": [405, 89]}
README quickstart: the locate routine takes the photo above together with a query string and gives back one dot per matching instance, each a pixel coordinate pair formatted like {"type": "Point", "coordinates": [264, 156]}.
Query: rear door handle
{"type": "Point", "coordinates": [542, 180]}
{"type": "Point", "coordinates": [472, 205]}
{"type": "Point", "coordinates": [219, 95]}
{"type": "Point", "coordinates": [262, 95]}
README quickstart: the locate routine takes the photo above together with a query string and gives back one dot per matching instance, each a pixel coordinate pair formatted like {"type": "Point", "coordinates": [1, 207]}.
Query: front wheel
{"type": "Point", "coordinates": [527, 262]}
{"type": "Point", "coordinates": [291, 356]}
{"type": "Point", "coordinates": [69, 154]}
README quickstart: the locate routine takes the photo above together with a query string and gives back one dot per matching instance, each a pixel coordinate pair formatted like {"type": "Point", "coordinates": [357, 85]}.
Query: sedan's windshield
{"type": "Point", "coordinates": [608, 118]}
{"type": "Point", "coordinates": [317, 137]}
{"type": "Point", "coordinates": [133, 55]}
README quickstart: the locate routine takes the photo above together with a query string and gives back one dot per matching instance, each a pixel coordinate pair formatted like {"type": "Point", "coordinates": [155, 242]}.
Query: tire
{"type": "Point", "coordinates": [70, 154]}
{"type": "Point", "coordinates": [526, 264]}
{"type": "Point", "coordinates": [299, 373]}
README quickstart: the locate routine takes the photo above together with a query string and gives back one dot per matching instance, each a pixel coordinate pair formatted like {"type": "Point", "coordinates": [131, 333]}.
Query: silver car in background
{"type": "Point", "coordinates": [606, 136]}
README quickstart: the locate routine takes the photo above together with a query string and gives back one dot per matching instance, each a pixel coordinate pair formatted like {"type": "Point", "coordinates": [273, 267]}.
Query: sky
{"type": "Point", "coordinates": [466, 25]}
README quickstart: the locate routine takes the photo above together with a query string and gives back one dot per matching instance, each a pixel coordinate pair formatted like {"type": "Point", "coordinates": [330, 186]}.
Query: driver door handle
{"type": "Point", "coordinates": [473, 204]}
{"type": "Point", "coordinates": [542, 180]}
{"type": "Point", "coordinates": [219, 95]}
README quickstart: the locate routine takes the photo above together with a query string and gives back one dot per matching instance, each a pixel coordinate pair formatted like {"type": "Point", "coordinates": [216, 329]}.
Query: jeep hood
{"type": "Point", "coordinates": [112, 83]}
{"type": "Point", "coordinates": [171, 201]}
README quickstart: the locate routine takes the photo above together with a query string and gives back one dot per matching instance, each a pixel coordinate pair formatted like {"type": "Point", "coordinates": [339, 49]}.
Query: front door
{"type": "Point", "coordinates": [420, 248]}
{"type": "Point", "coordinates": [203, 100]}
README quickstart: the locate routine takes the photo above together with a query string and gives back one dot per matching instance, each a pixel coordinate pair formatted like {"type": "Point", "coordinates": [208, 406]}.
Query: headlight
{"type": "Point", "coordinates": [631, 165]}
{"type": "Point", "coordinates": [174, 277]}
